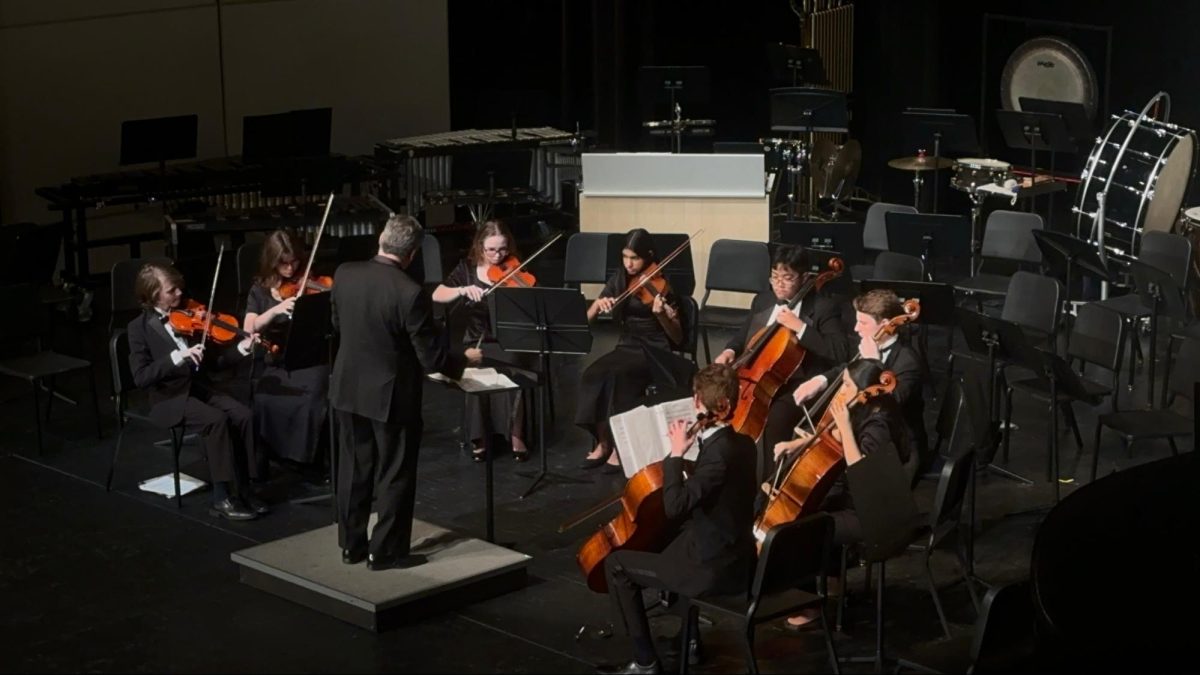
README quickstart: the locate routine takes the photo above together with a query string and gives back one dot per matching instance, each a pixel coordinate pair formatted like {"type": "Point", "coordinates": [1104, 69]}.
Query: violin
{"type": "Point", "coordinates": [319, 284]}
{"type": "Point", "coordinates": [224, 330]}
{"type": "Point", "coordinates": [649, 283]}
{"type": "Point", "coordinates": [641, 524]}
{"type": "Point", "coordinates": [509, 274]}
{"type": "Point", "coordinates": [821, 461]}
{"type": "Point", "coordinates": [773, 354]}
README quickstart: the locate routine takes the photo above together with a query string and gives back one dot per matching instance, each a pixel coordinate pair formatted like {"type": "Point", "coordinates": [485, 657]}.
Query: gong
{"type": "Point", "coordinates": [1052, 69]}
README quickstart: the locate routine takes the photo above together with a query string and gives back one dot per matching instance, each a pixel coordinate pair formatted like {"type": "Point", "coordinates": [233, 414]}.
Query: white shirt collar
{"type": "Point", "coordinates": [888, 344]}
{"type": "Point", "coordinates": [707, 433]}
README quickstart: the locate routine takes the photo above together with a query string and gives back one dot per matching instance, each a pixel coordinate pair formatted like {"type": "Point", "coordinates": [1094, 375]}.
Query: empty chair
{"type": "Point", "coordinates": [1008, 237]}
{"type": "Point", "coordinates": [737, 267]}
{"type": "Point", "coordinates": [875, 237]}
{"type": "Point", "coordinates": [586, 259]}
{"type": "Point", "coordinates": [891, 266]}
{"type": "Point", "coordinates": [689, 321]}
{"type": "Point", "coordinates": [1002, 642]}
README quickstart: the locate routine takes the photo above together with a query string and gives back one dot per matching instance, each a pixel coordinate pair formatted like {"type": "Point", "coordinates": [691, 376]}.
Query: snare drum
{"type": "Point", "coordinates": [972, 172]}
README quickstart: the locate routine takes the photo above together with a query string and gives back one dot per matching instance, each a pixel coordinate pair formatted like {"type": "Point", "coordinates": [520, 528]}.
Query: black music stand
{"type": "Point", "coordinates": [793, 66]}
{"type": "Point", "coordinates": [158, 139]}
{"type": "Point", "coordinates": [845, 237]}
{"type": "Point", "coordinates": [944, 131]}
{"type": "Point", "coordinates": [309, 343]}
{"type": "Point", "coordinates": [542, 321]}
{"type": "Point", "coordinates": [937, 304]}
{"type": "Point", "coordinates": [930, 237]}
{"type": "Point", "coordinates": [818, 261]}
{"type": "Point", "coordinates": [985, 336]}
{"type": "Point", "coordinates": [1079, 127]}
{"type": "Point", "coordinates": [1034, 131]}
{"type": "Point", "coordinates": [808, 110]}
{"type": "Point", "coordinates": [673, 87]}
{"type": "Point", "coordinates": [1063, 253]}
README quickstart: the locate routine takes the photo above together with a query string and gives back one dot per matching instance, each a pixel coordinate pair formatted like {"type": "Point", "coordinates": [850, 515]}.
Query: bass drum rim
{"type": "Point", "coordinates": [1069, 52]}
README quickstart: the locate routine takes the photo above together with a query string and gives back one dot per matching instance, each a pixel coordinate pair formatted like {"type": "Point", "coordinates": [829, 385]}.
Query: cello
{"type": "Point", "coordinates": [772, 356]}
{"type": "Point", "coordinates": [642, 523]}
{"type": "Point", "coordinates": [800, 491]}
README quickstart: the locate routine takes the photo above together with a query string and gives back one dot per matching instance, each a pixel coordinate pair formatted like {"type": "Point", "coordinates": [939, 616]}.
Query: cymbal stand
{"type": "Point", "coordinates": [917, 181]}
{"type": "Point", "coordinates": [937, 156]}
{"type": "Point", "coordinates": [977, 197]}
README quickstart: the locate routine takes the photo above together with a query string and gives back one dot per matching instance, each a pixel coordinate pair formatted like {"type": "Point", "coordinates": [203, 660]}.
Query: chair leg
{"type": "Point", "coordinates": [879, 618]}
{"type": "Point", "coordinates": [1171, 442]}
{"type": "Point", "coordinates": [1069, 413]}
{"type": "Point", "coordinates": [686, 637]}
{"type": "Point", "coordinates": [95, 403]}
{"type": "Point", "coordinates": [1007, 430]}
{"type": "Point", "coordinates": [704, 337]}
{"type": "Point", "coordinates": [751, 660]}
{"type": "Point", "coordinates": [176, 448]}
{"type": "Point", "coordinates": [841, 605]}
{"type": "Point", "coordinates": [1133, 350]}
{"type": "Point", "coordinates": [112, 466]}
{"type": "Point", "coordinates": [960, 551]}
{"type": "Point", "coordinates": [933, 593]}
{"type": "Point", "coordinates": [1167, 369]}
{"type": "Point", "coordinates": [37, 415]}
{"type": "Point", "coordinates": [829, 646]}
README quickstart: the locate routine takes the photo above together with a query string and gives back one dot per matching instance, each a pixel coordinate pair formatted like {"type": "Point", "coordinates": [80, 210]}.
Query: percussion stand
{"type": "Point", "coordinates": [977, 197]}
{"type": "Point", "coordinates": [937, 155]}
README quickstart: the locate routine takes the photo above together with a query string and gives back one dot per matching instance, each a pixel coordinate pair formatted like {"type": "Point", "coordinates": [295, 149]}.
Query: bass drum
{"type": "Point", "coordinates": [1049, 68]}
{"type": "Point", "coordinates": [1144, 188]}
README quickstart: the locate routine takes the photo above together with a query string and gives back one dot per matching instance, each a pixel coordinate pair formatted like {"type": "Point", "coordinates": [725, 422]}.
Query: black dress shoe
{"type": "Point", "coordinates": [632, 667]}
{"type": "Point", "coordinates": [593, 462]}
{"type": "Point", "coordinates": [256, 505]}
{"type": "Point", "coordinates": [376, 563]}
{"type": "Point", "coordinates": [352, 556]}
{"type": "Point", "coordinates": [231, 510]}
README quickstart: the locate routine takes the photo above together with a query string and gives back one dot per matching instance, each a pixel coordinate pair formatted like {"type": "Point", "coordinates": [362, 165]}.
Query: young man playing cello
{"type": "Point", "coordinates": [714, 551]}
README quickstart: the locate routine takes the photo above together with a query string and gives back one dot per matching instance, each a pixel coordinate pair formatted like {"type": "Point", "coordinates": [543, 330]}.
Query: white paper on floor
{"type": "Point", "coordinates": [165, 484]}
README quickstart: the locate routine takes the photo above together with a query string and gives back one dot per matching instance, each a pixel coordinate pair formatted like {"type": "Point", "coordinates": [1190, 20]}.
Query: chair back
{"type": "Point", "coordinates": [248, 255]}
{"type": "Point", "coordinates": [426, 268]}
{"type": "Point", "coordinates": [792, 554]}
{"type": "Point", "coordinates": [1098, 337]}
{"type": "Point", "coordinates": [1187, 368]}
{"type": "Point", "coordinates": [1157, 288]}
{"type": "Point", "coordinates": [1033, 301]}
{"type": "Point", "coordinates": [26, 316]}
{"type": "Point", "coordinates": [892, 266]}
{"type": "Point", "coordinates": [951, 490]}
{"type": "Point", "coordinates": [875, 230]}
{"type": "Point", "coordinates": [1009, 236]}
{"type": "Point", "coordinates": [29, 252]}
{"type": "Point", "coordinates": [1004, 632]}
{"type": "Point", "coordinates": [737, 266]}
{"type": "Point", "coordinates": [586, 259]}
{"type": "Point", "coordinates": [1171, 253]}
{"type": "Point", "coordinates": [985, 436]}
{"type": "Point", "coordinates": [689, 321]}
{"type": "Point", "coordinates": [124, 303]}
{"type": "Point", "coordinates": [122, 376]}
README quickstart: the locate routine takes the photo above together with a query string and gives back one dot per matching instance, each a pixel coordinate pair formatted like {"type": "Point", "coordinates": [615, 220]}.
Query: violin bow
{"type": "Point", "coordinates": [662, 266]}
{"type": "Point", "coordinates": [520, 267]}
{"type": "Point", "coordinates": [316, 243]}
{"type": "Point", "coordinates": [212, 296]}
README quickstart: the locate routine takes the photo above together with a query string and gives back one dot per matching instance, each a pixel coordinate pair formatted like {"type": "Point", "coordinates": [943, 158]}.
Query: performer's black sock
{"type": "Point", "coordinates": [220, 490]}
{"type": "Point", "coordinates": [643, 650]}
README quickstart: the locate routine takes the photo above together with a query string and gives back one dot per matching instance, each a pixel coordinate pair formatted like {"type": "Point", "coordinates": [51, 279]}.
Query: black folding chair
{"type": "Point", "coordinates": [1002, 641]}
{"type": "Point", "coordinates": [737, 267]}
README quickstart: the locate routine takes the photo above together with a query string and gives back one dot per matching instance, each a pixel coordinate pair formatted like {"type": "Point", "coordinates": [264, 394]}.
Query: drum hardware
{"type": "Point", "coordinates": [921, 162]}
{"type": "Point", "coordinates": [971, 173]}
{"type": "Point", "coordinates": [677, 127]}
{"type": "Point", "coordinates": [1137, 150]}
{"type": "Point", "coordinates": [790, 155]}
{"type": "Point", "coordinates": [835, 169]}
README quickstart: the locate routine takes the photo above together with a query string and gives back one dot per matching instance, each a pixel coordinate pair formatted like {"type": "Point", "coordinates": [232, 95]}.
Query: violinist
{"type": "Point", "coordinates": [289, 406]}
{"type": "Point", "coordinates": [492, 247]}
{"type": "Point", "coordinates": [176, 373]}
{"type": "Point", "coordinates": [875, 426]}
{"type": "Point", "coordinates": [714, 550]}
{"type": "Point", "coordinates": [615, 382]}
{"type": "Point", "coordinates": [817, 323]}
{"type": "Point", "coordinates": [872, 310]}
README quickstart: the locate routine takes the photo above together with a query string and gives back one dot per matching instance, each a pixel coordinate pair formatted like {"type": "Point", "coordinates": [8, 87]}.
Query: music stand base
{"type": "Point", "coordinates": [1005, 473]}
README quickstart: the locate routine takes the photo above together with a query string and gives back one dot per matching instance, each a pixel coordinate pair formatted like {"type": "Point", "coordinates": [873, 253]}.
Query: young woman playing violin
{"type": "Point", "coordinates": [649, 324]}
{"type": "Point", "coordinates": [873, 310]}
{"type": "Point", "coordinates": [817, 322]}
{"type": "Point", "coordinates": [714, 551]}
{"type": "Point", "coordinates": [175, 371]}
{"type": "Point", "coordinates": [871, 427]}
{"type": "Point", "coordinates": [289, 406]}
{"type": "Point", "coordinates": [493, 252]}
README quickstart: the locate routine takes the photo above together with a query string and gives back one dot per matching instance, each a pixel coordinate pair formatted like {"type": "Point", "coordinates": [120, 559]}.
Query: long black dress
{"type": "Point", "coordinates": [289, 406]}
{"type": "Point", "coordinates": [502, 407]}
{"type": "Point", "coordinates": [615, 382]}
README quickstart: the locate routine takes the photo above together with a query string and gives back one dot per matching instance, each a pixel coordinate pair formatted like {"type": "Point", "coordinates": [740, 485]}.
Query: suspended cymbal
{"type": "Point", "coordinates": [835, 168]}
{"type": "Point", "coordinates": [920, 163]}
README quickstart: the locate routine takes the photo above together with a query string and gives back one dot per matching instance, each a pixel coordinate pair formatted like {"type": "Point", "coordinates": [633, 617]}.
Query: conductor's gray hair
{"type": "Point", "coordinates": [400, 236]}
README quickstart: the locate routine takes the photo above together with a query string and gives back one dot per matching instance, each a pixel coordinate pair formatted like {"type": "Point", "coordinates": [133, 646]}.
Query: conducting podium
{"type": "Point", "coordinates": [722, 194]}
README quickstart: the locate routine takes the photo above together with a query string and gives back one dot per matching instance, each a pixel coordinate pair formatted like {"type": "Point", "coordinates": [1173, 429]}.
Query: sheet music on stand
{"type": "Point", "coordinates": [475, 380]}
{"type": "Point", "coordinates": [641, 434]}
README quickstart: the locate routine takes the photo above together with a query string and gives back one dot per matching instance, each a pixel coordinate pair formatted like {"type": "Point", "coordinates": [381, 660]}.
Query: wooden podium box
{"type": "Point", "coordinates": [724, 195]}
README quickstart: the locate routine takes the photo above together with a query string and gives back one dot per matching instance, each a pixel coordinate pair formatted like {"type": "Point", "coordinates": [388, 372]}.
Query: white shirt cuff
{"type": "Point", "coordinates": [179, 356]}
{"type": "Point", "coordinates": [244, 349]}
{"type": "Point", "coordinates": [800, 333]}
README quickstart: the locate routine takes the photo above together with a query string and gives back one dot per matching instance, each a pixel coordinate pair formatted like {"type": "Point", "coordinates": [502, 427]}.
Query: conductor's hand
{"type": "Point", "coordinates": [680, 440]}
{"type": "Point", "coordinates": [809, 388]}
{"type": "Point", "coordinates": [472, 293]}
{"type": "Point", "coordinates": [725, 357]}
{"type": "Point", "coordinates": [605, 304]}
{"type": "Point", "coordinates": [474, 356]}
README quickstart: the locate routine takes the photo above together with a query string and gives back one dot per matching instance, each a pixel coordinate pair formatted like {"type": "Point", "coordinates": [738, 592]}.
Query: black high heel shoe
{"type": "Point", "coordinates": [595, 462]}
{"type": "Point", "coordinates": [479, 454]}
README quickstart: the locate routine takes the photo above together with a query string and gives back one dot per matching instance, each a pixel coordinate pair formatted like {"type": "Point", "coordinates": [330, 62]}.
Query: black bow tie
{"type": "Point", "coordinates": [165, 318]}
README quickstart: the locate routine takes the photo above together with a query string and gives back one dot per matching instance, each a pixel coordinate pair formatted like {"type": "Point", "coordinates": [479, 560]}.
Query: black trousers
{"type": "Point", "coordinates": [228, 430]}
{"type": "Point", "coordinates": [376, 460]}
{"type": "Point", "coordinates": [628, 572]}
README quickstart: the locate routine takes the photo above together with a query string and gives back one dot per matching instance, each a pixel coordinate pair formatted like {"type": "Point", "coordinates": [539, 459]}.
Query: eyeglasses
{"type": "Point", "coordinates": [783, 278]}
{"type": "Point", "coordinates": [502, 249]}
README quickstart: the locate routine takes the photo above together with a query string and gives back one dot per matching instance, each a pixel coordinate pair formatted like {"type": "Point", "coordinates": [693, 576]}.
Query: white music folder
{"type": "Point", "coordinates": [640, 434]}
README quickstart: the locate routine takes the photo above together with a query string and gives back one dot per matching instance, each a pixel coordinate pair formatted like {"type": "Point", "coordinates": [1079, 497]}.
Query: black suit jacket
{"type": "Point", "coordinates": [906, 364]}
{"type": "Point", "coordinates": [717, 500]}
{"type": "Point", "coordinates": [388, 341]}
{"type": "Point", "coordinates": [824, 339]}
{"type": "Point", "coordinates": [150, 348]}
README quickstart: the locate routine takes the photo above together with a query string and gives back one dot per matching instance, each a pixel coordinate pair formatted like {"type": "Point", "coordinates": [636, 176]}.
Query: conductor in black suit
{"type": "Point", "coordinates": [175, 371]}
{"type": "Point", "coordinates": [817, 323]}
{"type": "Point", "coordinates": [388, 341]}
{"type": "Point", "coordinates": [871, 310]}
{"type": "Point", "coordinates": [714, 551]}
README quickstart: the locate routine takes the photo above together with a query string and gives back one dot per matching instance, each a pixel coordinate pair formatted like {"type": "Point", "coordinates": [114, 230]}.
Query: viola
{"type": "Point", "coordinates": [224, 330]}
{"type": "Point", "coordinates": [320, 284]}
{"type": "Point", "coordinates": [773, 354]}
{"type": "Point", "coordinates": [641, 524]}
{"type": "Point", "coordinates": [651, 276]}
{"type": "Point", "coordinates": [800, 491]}
{"type": "Point", "coordinates": [509, 274]}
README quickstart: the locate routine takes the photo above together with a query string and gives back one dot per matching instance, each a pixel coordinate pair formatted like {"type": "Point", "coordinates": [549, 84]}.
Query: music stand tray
{"type": "Point", "coordinates": [1079, 128]}
{"type": "Point", "coordinates": [1064, 253]}
{"type": "Point", "coordinates": [790, 65]}
{"type": "Point", "coordinates": [159, 139]}
{"type": "Point", "coordinates": [844, 237]}
{"type": "Point", "coordinates": [544, 321]}
{"type": "Point", "coordinates": [808, 109]}
{"type": "Point", "coordinates": [929, 236]}
{"type": "Point", "coordinates": [937, 299]}
{"type": "Point", "coordinates": [1034, 131]}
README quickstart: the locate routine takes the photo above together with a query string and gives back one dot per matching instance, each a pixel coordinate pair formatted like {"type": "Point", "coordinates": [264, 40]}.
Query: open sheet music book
{"type": "Point", "coordinates": [641, 434]}
{"type": "Point", "coordinates": [478, 379]}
